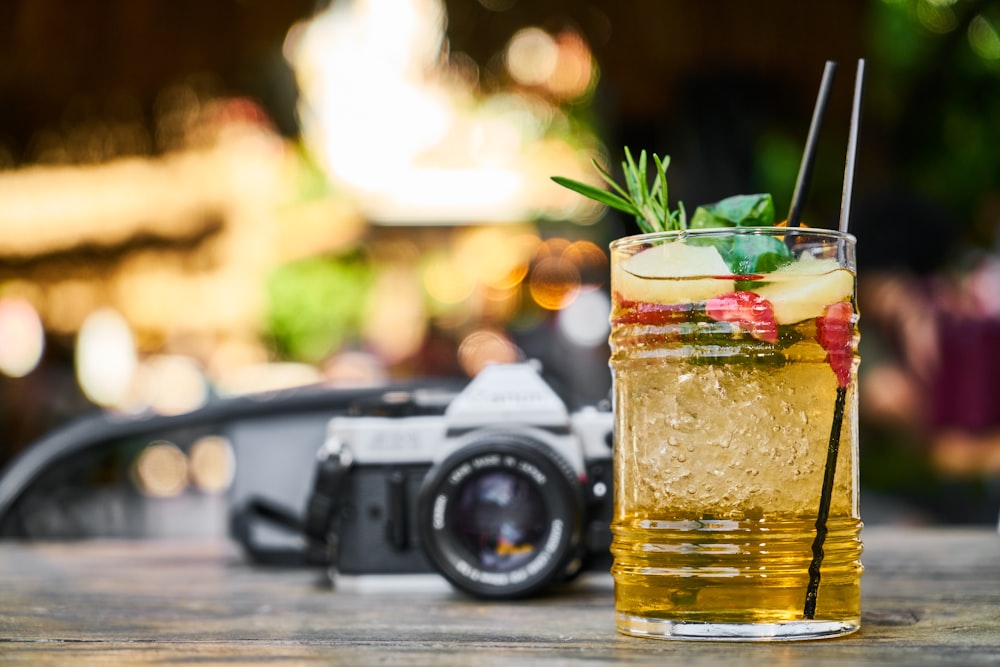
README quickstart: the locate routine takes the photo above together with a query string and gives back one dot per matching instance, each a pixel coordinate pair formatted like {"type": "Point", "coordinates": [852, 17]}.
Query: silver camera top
{"type": "Point", "coordinates": [503, 393]}
{"type": "Point", "coordinates": [508, 398]}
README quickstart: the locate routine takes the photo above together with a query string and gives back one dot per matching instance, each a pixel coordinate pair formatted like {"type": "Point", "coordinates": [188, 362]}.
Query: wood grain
{"type": "Point", "coordinates": [931, 597]}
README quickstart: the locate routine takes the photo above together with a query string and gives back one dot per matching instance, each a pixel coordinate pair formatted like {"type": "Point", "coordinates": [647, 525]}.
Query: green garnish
{"type": "Point", "coordinates": [649, 204]}
{"type": "Point", "coordinates": [736, 211]}
{"type": "Point", "coordinates": [745, 255]}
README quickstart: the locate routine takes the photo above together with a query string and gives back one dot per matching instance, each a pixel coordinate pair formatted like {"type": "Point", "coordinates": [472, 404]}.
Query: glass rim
{"type": "Point", "coordinates": [679, 234]}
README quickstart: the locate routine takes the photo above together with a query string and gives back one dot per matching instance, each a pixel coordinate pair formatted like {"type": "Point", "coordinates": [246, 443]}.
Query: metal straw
{"type": "Point", "coordinates": [852, 147]}
{"type": "Point", "coordinates": [833, 448]}
{"type": "Point", "coordinates": [809, 154]}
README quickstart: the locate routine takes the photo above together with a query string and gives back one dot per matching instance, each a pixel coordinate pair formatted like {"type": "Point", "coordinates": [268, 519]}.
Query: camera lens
{"type": "Point", "coordinates": [501, 516]}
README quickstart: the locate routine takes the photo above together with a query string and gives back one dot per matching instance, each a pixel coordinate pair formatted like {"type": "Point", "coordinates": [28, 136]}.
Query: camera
{"type": "Point", "coordinates": [498, 487]}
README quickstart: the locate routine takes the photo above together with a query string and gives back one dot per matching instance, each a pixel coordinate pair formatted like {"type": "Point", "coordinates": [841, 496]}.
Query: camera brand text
{"type": "Point", "coordinates": [495, 461]}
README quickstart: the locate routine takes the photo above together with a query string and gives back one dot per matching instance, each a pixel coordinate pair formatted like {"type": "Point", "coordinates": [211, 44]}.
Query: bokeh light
{"type": "Point", "coordinates": [353, 368]}
{"type": "Point", "coordinates": [212, 464]}
{"type": "Point", "coordinates": [171, 384]}
{"type": "Point", "coordinates": [106, 358]}
{"type": "Point", "coordinates": [937, 15]}
{"type": "Point", "coordinates": [483, 347]}
{"type": "Point", "coordinates": [532, 55]}
{"type": "Point", "coordinates": [464, 154]}
{"type": "Point", "coordinates": [585, 322]}
{"type": "Point", "coordinates": [266, 377]}
{"type": "Point", "coordinates": [984, 39]}
{"type": "Point", "coordinates": [562, 64]}
{"type": "Point", "coordinates": [492, 255]}
{"type": "Point", "coordinates": [161, 470]}
{"type": "Point", "coordinates": [554, 282]}
{"type": "Point", "coordinates": [22, 339]}
{"type": "Point", "coordinates": [591, 261]}
{"type": "Point", "coordinates": [575, 73]}
{"type": "Point", "coordinates": [395, 321]}
{"type": "Point", "coordinates": [444, 279]}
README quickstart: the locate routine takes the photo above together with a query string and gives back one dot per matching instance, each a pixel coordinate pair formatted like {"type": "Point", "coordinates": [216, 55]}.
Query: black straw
{"type": "Point", "coordinates": [825, 498]}
{"type": "Point", "coordinates": [852, 147]}
{"type": "Point", "coordinates": [809, 154]}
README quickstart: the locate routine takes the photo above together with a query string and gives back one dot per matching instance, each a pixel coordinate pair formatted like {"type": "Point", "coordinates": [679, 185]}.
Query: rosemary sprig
{"type": "Point", "coordinates": [649, 204]}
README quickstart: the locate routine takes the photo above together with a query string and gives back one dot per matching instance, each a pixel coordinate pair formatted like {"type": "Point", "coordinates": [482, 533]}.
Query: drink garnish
{"type": "Point", "coordinates": [750, 311]}
{"type": "Point", "coordinates": [795, 299]}
{"type": "Point", "coordinates": [649, 313]}
{"type": "Point", "coordinates": [673, 273]}
{"type": "Point", "coordinates": [650, 205]}
{"type": "Point", "coordinates": [736, 211]}
{"type": "Point", "coordinates": [744, 253]}
{"type": "Point", "coordinates": [835, 333]}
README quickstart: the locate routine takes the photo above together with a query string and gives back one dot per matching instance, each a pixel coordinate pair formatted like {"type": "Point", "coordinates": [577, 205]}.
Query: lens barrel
{"type": "Point", "coordinates": [501, 517]}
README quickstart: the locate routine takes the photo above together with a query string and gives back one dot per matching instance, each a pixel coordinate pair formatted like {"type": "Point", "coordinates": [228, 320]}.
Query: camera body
{"type": "Point", "coordinates": [499, 487]}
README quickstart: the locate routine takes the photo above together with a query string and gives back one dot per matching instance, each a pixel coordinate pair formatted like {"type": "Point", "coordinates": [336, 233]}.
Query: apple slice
{"type": "Point", "coordinates": [802, 290]}
{"type": "Point", "coordinates": [673, 273]}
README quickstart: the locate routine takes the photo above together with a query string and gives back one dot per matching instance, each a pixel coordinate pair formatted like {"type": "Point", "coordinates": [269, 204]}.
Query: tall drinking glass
{"type": "Point", "coordinates": [736, 437]}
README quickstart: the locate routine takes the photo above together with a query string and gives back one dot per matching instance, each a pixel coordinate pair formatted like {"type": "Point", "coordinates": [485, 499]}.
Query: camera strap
{"type": "Point", "coordinates": [318, 528]}
{"type": "Point", "coordinates": [323, 507]}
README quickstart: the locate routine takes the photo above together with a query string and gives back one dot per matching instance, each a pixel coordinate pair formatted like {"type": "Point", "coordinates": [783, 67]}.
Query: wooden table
{"type": "Point", "coordinates": [931, 597]}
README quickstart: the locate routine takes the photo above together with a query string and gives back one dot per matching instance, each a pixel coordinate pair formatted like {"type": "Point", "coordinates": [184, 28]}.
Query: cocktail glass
{"type": "Point", "coordinates": [736, 438]}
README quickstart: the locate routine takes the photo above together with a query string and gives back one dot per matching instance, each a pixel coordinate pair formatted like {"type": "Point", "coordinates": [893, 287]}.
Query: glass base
{"type": "Point", "coordinates": [656, 628]}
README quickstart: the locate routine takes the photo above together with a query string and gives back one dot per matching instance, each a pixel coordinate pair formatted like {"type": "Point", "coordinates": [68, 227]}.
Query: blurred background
{"type": "Point", "coordinates": [202, 199]}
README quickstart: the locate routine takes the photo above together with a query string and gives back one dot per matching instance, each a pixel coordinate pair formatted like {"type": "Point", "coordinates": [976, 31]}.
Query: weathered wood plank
{"type": "Point", "coordinates": [931, 597]}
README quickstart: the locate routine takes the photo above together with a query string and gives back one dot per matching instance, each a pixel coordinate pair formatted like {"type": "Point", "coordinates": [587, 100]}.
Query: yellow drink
{"type": "Point", "coordinates": [730, 393]}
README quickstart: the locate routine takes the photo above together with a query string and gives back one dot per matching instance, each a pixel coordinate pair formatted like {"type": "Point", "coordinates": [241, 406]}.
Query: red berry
{"type": "Point", "coordinates": [748, 309]}
{"type": "Point", "coordinates": [835, 332]}
{"type": "Point", "coordinates": [647, 313]}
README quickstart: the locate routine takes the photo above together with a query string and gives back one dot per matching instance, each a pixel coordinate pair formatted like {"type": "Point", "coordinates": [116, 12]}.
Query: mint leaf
{"type": "Point", "coordinates": [736, 211]}
{"type": "Point", "coordinates": [753, 253]}
{"type": "Point", "coordinates": [745, 254]}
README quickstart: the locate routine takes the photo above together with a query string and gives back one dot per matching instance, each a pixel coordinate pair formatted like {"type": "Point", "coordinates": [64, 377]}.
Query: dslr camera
{"type": "Point", "coordinates": [499, 488]}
